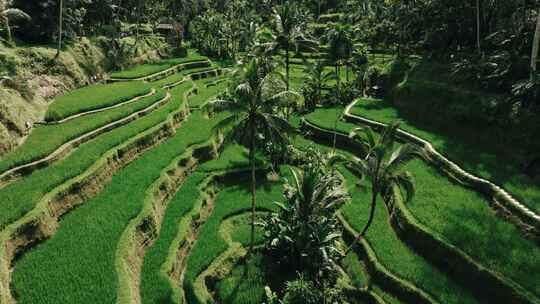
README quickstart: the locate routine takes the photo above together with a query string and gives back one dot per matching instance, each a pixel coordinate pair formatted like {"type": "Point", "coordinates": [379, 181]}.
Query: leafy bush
{"type": "Point", "coordinates": [303, 235]}
{"type": "Point", "coordinates": [301, 291]}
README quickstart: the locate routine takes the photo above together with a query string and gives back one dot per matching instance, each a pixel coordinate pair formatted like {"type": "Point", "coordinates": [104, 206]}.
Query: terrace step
{"type": "Point", "coordinates": [42, 221]}
{"type": "Point", "coordinates": [144, 229]}
{"type": "Point", "coordinates": [61, 152]}
{"type": "Point", "coordinates": [74, 116]}
{"type": "Point", "coordinates": [419, 236]}
{"type": "Point", "coordinates": [523, 216]}
{"type": "Point", "coordinates": [165, 73]}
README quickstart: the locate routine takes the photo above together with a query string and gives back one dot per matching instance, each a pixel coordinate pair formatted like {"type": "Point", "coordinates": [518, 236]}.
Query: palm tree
{"type": "Point", "coordinates": [383, 166]}
{"type": "Point", "coordinates": [340, 40]}
{"type": "Point", "coordinates": [253, 109]}
{"type": "Point", "coordinates": [316, 77]}
{"type": "Point", "coordinates": [7, 14]}
{"type": "Point", "coordinates": [478, 46]}
{"type": "Point", "coordinates": [341, 44]}
{"type": "Point", "coordinates": [288, 34]}
{"type": "Point", "coordinates": [60, 25]}
{"type": "Point", "coordinates": [535, 46]}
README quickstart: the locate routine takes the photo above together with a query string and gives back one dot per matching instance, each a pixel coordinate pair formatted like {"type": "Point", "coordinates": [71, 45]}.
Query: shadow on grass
{"type": "Point", "coordinates": [477, 150]}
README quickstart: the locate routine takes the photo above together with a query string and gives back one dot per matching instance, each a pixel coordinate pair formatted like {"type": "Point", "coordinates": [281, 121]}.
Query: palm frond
{"type": "Point", "coordinates": [401, 156]}
{"type": "Point", "coordinates": [220, 105]}
{"type": "Point", "coordinates": [16, 14]}
{"type": "Point", "coordinates": [228, 123]}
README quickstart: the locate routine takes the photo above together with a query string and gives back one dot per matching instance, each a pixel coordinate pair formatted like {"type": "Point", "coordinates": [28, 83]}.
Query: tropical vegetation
{"type": "Point", "coordinates": [279, 152]}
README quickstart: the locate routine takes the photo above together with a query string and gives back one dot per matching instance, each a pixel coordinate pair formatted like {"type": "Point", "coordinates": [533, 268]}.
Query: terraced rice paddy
{"type": "Point", "coordinates": [148, 69]}
{"type": "Point", "coordinates": [94, 97]}
{"type": "Point", "coordinates": [472, 156]}
{"type": "Point", "coordinates": [56, 135]}
{"type": "Point", "coordinates": [168, 219]}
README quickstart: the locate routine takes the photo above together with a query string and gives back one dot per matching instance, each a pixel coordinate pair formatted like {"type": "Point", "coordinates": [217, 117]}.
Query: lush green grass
{"type": "Point", "coordinates": [94, 97]}
{"type": "Point", "coordinates": [21, 196]}
{"type": "Point", "coordinates": [393, 253]}
{"type": "Point", "coordinates": [464, 217]}
{"type": "Point", "coordinates": [152, 68]}
{"type": "Point", "coordinates": [474, 156]}
{"type": "Point", "coordinates": [45, 139]}
{"type": "Point", "coordinates": [87, 240]}
{"type": "Point", "coordinates": [245, 284]}
{"type": "Point", "coordinates": [326, 118]}
{"type": "Point", "coordinates": [355, 268]}
{"type": "Point", "coordinates": [233, 199]}
{"type": "Point", "coordinates": [154, 287]}
{"type": "Point", "coordinates": [206, 93]}
{"type": "Point", "coordinates": [179, 76]}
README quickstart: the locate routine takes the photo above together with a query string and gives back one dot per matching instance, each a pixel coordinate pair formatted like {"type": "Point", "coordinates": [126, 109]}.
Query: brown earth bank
{"type": "Point", "coordinates": [30, 77]}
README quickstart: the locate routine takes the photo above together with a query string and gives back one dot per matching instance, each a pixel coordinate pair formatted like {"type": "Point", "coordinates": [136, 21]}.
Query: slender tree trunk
{"type": "Point", "coordinates": [137, 30]}
{"type": "Point", "coordinates": [253, 185]}
{"type": "Point", "coordinates": [368, 224]}
{"type": "Point", "coordinates": [337, 109]}
{"type": "Point", "coordinates": [60, 25]}
{"type": "Point", "coordinates": [8, 29]}
{"type": "Point", "coordinates": [535, 47]}
{"type": "Point", "coordinates": [287, 66]}
{"type": "Point", "coordinates": [478, 46]}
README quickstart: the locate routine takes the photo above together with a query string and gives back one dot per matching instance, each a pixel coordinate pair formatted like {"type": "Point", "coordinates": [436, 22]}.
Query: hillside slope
{"type": "Point", "coordinates": [30, 77]}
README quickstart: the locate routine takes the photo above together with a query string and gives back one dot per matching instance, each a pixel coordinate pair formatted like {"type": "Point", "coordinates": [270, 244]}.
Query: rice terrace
{"type": "Point", "coordinates": [277, 152]}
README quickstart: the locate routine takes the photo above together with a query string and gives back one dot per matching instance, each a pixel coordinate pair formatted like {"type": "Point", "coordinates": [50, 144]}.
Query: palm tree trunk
{"type": "Point", "coordinates": [8, 29]}
{"type": "Point", "coordinates": [368, 224]}
{"type": "Point", "coordinates": [478, 46]}
{"type": "Point", "coordinates": [253, 185]}
{"type": "Point", "coordinates": [287, 66]}
{"type": "Point", "coordinates": [60, 25]}
{"type": "Point", "coordinates": [337, 110]}
{"type": "Point", "coordinates": [536, 46]}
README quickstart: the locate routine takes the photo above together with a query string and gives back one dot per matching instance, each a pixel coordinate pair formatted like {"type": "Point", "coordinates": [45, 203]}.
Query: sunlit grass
{"type": "Point", "coordinates": [94, 97]}
{"type": "Point", "coordinates": [21, 196]}
{"type": "Point", "coordinates": [233, 199]}
{"type": "Point", "coordinates": [87, 240]}
{"type": "Point", "coordinates": [45, 139]}
{"type": "Point", "coordinates": [206, 93]}
{"type": "Point", "coordinates": [464, 217]}
{"type": "Point", "coordinates": [394, 254]}
{"type": "Point", "coordinates": [474, 156]}
{"type": "Point", "coordinates": [152, 68]}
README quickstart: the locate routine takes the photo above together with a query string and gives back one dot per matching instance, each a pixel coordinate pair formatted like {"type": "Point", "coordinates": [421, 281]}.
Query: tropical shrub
{"type": "Point", "coordinates": [303, 235]}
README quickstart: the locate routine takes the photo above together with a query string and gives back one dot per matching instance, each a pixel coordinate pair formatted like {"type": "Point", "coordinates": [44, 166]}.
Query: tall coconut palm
{"type": "Point", "coordinates": [535, 46]}
{"type": "Point", "coordinates": [60, 25]}
{"type": "Point", "coordinates": [289, 34]}
{"type": "Point", "coordinates": [316, 78]}
{"type": "Point", "coordinates": [478, 46]}
{"type": "Point", "coordinates": [383, 166]}
{"type": "Point", "coordinates": [253, 116]}
{"type": "Point", "coordinates": [340, 41]}
{"type": "Point", "coordinates": [7, 14]}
